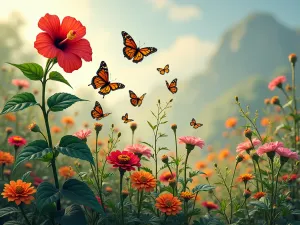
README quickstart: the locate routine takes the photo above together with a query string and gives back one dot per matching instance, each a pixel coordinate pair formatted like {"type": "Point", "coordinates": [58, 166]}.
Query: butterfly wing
{"type": "Point", "coordinates": [166, 69]}
{"type": "Point", "coordinates": [140, 100]}
{"type": "Point", "coordinates": [193, 122]}
{"type": "Point", "coordinates": [130, 48]}
{"type": "Point", "coordinates": [139, 56]}
{"type": "Point", "coordinates": [102, 77]}
{"type": "Point", "coordinates": [116, 86]}
{"type": "Point", "coordinates": [173, 86]}
{"type": "Point", "coordinates": [197, 125]}
{"type": "Point", "coordinates": [161, 71]}
{"type": "Point", "coordinates": [125, 117]}
{"type": "Point", "coordinates": [97, 112]}
{"type": "Point", "coordinates": [133, 98]}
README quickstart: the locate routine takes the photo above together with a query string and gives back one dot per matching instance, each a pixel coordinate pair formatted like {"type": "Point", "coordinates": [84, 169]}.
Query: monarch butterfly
{"type": "Point", "coordinates": [172, 86]}
{"type": "Point", "coordinates": [125, 118]}
{"type": "Point", "coordinates": [97, 112]}
{"type": "Point", "coordinates": [162, 71]}
{"type": "Point", "coordinates": [131, 51]}
{"type": "Point", "coordinates": [134, 100]}
{"type": "Point", "coordinates": [195, 125]}
{"type": "Point", "coordinates": [101, 80]}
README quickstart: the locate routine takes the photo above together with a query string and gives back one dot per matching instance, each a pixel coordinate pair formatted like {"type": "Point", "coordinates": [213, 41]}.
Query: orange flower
{"type": "Point", "coordinates": [211, 156]}
{"type": "Point", "coordinates": [245, 177]}
{"type": "Point", "coordinates": [208, 173]}
{"type": "Point", "coordinates": [108, 189]}
{"type": "Point", "coordinates": [186, 195]}
{"type": "Point", "coordinates": [6, 158]}
{"type": "Point", "coordinates": [66, 172]}
{"type": "Point", "coordinates": [18, 191]}
{"type": "Point", "coordinates": [68, 120]}
{"type": "Point", "coordinates": [231, 122]}
{"type": "Point", "coordinates": [142, 180]}
{"type": "Point", "coordinates": [28, 165]}
{"type": "Point", "coordinates": [10, 117]}
{"type": "Point", "coordinates": [201, 165]}
{"type": "Point", "coordinates": [224, 153]}
{"type": "Point", "coordinates": [209, 205]}
{"type": "Point", "coordinates": [168, 204]}
{"type": "Point", "coordinates": [259, 195]}
{"type": "Point", "coordinates": [265, 121]}
{"type": "Point", "coordinates": [166, 176]}
{"type": "Point", "coordinates": [56, 129]}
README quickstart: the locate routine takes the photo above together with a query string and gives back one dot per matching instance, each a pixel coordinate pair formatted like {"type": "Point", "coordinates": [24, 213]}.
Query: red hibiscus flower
{"type": "Point", "coordinates": [63, 41]}
{"type": "Point", "coordinates": [124, 160]}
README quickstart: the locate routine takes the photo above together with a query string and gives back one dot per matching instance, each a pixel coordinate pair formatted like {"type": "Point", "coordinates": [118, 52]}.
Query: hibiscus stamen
{"type": "Point", "coordinates": [70, 36]}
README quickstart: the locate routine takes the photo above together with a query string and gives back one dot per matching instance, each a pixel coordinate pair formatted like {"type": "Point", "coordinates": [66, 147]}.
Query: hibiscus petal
{"type": "Point", "coordinates": [70, 23]}
{"type": "Point", "coordinates": [81, 48]}
{"type": "Point", "coordinates": [45, 45]}
{"type": "Point", "coordinates": [50, 24]}
{"type": "Point", "coordinates": [68, 61]}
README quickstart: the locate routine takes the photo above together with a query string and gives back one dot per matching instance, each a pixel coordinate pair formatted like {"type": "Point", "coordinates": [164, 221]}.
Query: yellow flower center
{"type": "Point", "coordinates": [168, 203]}
{"type": "Point", "coordinates": [123, 158]}
{"type": "Point", "coordinates": [19, 190]}
{"type": "Point", "coordinates": [17, 139]}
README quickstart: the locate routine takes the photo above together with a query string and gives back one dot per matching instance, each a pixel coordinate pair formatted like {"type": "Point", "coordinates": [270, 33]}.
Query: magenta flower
{"type": "Point", "coordinates": [83, 134]}
{"type": "Point", "coordinates": [277, 82]}
{"type": "Point", "coordinates": [246, 146]}
{"type": "Point", "coordinates": [287, 153]}
{"type": "Point", "coordinates": [139, 150]}
{"type": "Point", "coordinates": [191, 142]}
{"type": "Point", "coordinates": [269, 147]}
{"type": "Point", "coordinates": [20, 83]}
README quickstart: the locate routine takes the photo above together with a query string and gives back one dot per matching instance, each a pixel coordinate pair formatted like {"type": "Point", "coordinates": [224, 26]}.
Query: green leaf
{"type": "Point", "coordinates": [152, 127]}
{"type": "Point", "coordinates": [259, 204]}
{"type": "Point", "coordinates": [146, 143]}
{"type": "Point", "coordinates": [46, 194]}
{"type": "Point", "coordinates": [25, 176]}
{"type": "Point", "coordinates": [32, 71]}
{"type": "Point", "coordinates": [74, 147]}
{"type": "Point", "coordinates": [56, 76]}
{"type": "Point", "coordinates": [34, 150]}
{"type": "Point", "coordinates": [79, 193]}
{"type": "Point", "coordinates": [8, 210]}
{"type": "Point", "coordinates": [203, 187]}
{"type": "Point", "coordinates": [289, 103]}
{"type": "Point", "coordinates": [195, 173]}
{"type": "Point", "coordinates": [73, 216]}
{"type": "Point", "coordinates": [61, 101]}
{"type": "Point", "coordinates": [19, 102]}
{"type": "Point", "coordinates": [147, 169]}
{"type": "Point", "coordinates": [13, 222]}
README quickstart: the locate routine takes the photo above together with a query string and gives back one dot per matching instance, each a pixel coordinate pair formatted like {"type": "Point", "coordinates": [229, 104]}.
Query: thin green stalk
{"type": "Point", "coordinates": [185, 212]}
{"type": "Point", "coordinates": [257, 187]}
{"type": "Point", "coordinates": [277, 175]}
{"type": "Point", "coordinates": [261, 181]}
{"type": "Point", "coordinates": [284, 115]}
{"type": "Point", "coordinates": [272, 191]}
{"type": "Point", "coordinates": [132, 137]}
{"type": "Point", "coordinates": [43, 135]}
{"type": "Point", "coordinates": [121, 197]}
{"type": "Point", "coordinates": [140, 204]}
{"type": "Point", "coordinates": [194, 204]}
{"type": "Point", "coordinates": [246, 207]}
{"type": "Point", "coordinates": [287, 97]}
{"type": "Point", "coordinates": [230, 193]}
{"type": "Point", "coordinates": [177, 164]}
{"type": "Point", "coordinates": [24, 215]}
{"type": "Point", "coordinates": [295, 104]}
{"type": "Point", "coordinates": [185, 164]}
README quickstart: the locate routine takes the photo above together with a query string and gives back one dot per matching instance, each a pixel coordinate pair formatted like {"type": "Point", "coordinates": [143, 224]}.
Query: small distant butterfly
{"type": "Point", "coordinates": [97, 112]}
{"type": "Point", "coordinates": [125, 118]}
{"type": "Point", "coordinates": [164, 70]}
{"type": "Point", "coordinates": [195, 125]}
{"type": "Point", "coordinates": [131, 51]}
{"type": "Point", "coordinates": [134, 100]}
{"type": "Point", "coordinates": [172, 86]}
{"type": "Point", "coordinates": [101, 80]}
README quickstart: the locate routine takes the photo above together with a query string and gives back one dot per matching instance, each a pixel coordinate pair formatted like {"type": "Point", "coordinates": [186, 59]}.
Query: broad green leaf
{"type": "Point", "coordinates": [203, 187]}
{"type": "Point", "coordinates": [56, 76]}
{"type": "Point", "coordinates": [74, 147]}
{"type": "Point", "coordinates": [78, 192]}
{"type": "Point", "coordinates": [8, 210]}
{"type": "Point", "coordinates": [61, 101]}
{"type": "Point", "coordinates": [32, 71]}
{"type": "Point", "coordinates": [34, 150]}
{"type": "Point", "coordinates": [19, 102]}
{"type": "Point", "coordinates": [13, 222]}
{"type": "Point", "coordinates": [25, 176]}
{"type": "Point", "coordinates": [46, 194]}
{"type": "Point", "coordinates": [73, 216]}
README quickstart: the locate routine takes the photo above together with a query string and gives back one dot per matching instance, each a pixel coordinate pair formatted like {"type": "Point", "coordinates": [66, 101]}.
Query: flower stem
{"type": "Point", "coordinates": [24, 215]}
{"type": "Point", "coordinates": [272, 191]}
{"type": "Point", "coordinates": [255, 171]}
{"type": "Point", "coordinates": [246, 207]}
{"type": "Point", "coordinates": [195, 199]}
{"type": "Point", "coordinates": [295, 105]}
{"type": "Point", "coordinates": [261, 181]}
{"type": "Point", "coordinates": [276, 183]}
{"type": "Point", "coordinates": [140, 204]}
{"type": "Point", "coordinates": [121, 197]}
{"type": "Point", "coordinates": [132, 137]}
{"type": "Point", "coordinates": [230, 193]}
{"type": "Point", "coordinates": [185, 164]}
{"type": "Point", "coordinates": [177, 163]}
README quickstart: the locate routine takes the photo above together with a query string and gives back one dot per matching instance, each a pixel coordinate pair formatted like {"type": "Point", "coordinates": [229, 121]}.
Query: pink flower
{"type": "Point", "coordinates": [269, 147]}
{"type": "Point", "coordinates": [139, 150]}
{"type": "Point", "coordinates": [20, 83]}
{"type": "Point", "coordinates": [287, 153]}
{"type": "Point", "coordinates": [123, 160]}
{"type": "Point", "coordinates": [277, 82]}
{"type": "Point", "coordinates": [190, 140]}
{"type": "Point", "coordinates": [83, 134]}
{"type": "Point", "coordinates": [16, 141]}
{"type": "Point", "coordinates": [244, 146]}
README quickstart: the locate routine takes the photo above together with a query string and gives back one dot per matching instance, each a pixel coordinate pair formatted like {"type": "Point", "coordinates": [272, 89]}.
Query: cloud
{"type": "Point", "coordinates": [177, 12]}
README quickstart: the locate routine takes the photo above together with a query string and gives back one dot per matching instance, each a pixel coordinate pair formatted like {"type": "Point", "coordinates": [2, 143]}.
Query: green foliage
{"type": "Point", "coordinates": [8, 210]}
{"type": "Point", "coordinates": [56, 76]}
{"type": "Point", "coordinates": [25, 176]}
{"type": "Point", "coordinates": [46, 194]}
{"type": "Point", "coordinates": [33, 71]}
{"type": "Point", "coordinates": [73, 215]}
{"type": "Point", "coordinates": [203, 187]}
{"type": "Point", "coordinates": [61, 101]}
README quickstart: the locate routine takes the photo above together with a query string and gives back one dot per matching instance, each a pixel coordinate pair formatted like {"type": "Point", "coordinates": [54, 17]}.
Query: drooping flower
{"type": "Point", "coordinates": [124, 160]}
{"type": "Point", "coordinates": [18, 192]}
{"type": "Point", "coordinates": [20, 83]}
{"type": "Point", "coordinates": [68, 120]}
{"type": "Point", "coordinates": [8, 130]}
{"type": "Point", "coordinates": [267, 101]}
{"type": "Point", "coordinates": [142, 180]}
{"type": "Point", "coordinates": [269, 147]}
{"type": "Point", "coordinates": [63, 41]}
{"type": "Point", "coordinates": [56, 129]}
{"type": "Point", "coordinates": [247, 146]}
{"type": "Point", "coordinates": [98, 127]}
{"type": "Point", "coordinates": [6, 158]}
{"type": "Point", "coordinates": [16, 141]}
{"type": "Point", "coordinates": [191, 142]}
{"type": "Point", "coordinates": [277, 82]}
{"type": "Point", "coordinates": [166, 176]}
{"type": "Point", "coordinates": [231, 122]}
{"type": "Point", "coordinates": [209, 205]}
{"type": "Point", "coordinates": [287, 153]}
{"type": "Point", "coordinates": [247, 193]}
{"type": "Point", "coordinates": [186, 195]}
{"type": "Point", "coordinates": [259, 195]}
{"type": "Point", "coordinates": [83, 134]}
{"type": "Point", "coordinates": [66, 172]}
{"type": "Point", "coordinates": [275, 101]}
{"type": "Point", "coordinates": [168, 204]}
{"type": "Point", "coordinates": [139, 150]}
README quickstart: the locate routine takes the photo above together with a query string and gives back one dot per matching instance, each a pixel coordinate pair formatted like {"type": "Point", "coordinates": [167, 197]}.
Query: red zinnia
{"type": "Point", "coordinates": [17, 141]}
{"type": "Point", "coordinates": [209, 205]}
{"type": "Point", "coordinates": [124, 160]}
{"type": "Point", "coordinates": [63, 41]}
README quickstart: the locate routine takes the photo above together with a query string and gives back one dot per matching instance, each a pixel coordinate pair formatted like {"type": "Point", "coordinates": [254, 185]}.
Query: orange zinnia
{"type": "Point", "coordinates": [28, 165]}
{"type": "Point", "coordinates": [56, 129]}
{"type": "Point", "coordinates": [68, 120]}
{"type": "Point", "coordinates": [224, 153]}
{"type": "Point", "coordinates": [66, 172]}
{"type": "Point", "coordinates": [201, 165]}
{"type": "Point", "coordinates": [265, 121]}
{"type": "Point", "coordinates": [211, 156]}
{"type": "Point", "coordinates": [10, 117]}
{"type": "Point", "coordinates": [245, 177]}
{"type": "Point", "coordinates": [259, 195]}
{"type": "Point", "coordinates": [142, 180]}
{"type": "Point", "coordinates": [6, 158]}
{"type": "Point", "coordinates": [168, 204]}
{"type": "Point", "coordinates": [186, 195]}
{"type": "Point", "coordinates": [231, 122]}
{"type": "Point", "coordinates": [18, 191]}
{"type": "Point", "coordinates": [208, 172]}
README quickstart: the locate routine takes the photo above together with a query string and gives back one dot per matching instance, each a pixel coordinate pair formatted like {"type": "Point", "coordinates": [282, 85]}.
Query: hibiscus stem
{"type": "Point", "coordinates": [24, 215]}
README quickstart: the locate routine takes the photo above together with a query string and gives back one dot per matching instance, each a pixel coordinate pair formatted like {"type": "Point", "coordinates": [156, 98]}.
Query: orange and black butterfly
{"type": "Point", "coordinates": [164, 70]}
{"type": "Point", "coordinates": [172, 86]}
{"type": "Point", "coordinates": [125, 118]}
{"type": "Point", "coordinates": [97, 112]}
{"type": "Point", "coordinates": [195, 125]}
{"type": "Point", "coordinates": [131, 51]}
{"type": "Point", "coordinates": [101, 80]}
{"type": "Point", "coordinates": [135, 100]}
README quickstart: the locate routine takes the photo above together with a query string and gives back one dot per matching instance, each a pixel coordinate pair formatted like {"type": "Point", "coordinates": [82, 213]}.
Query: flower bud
{"type": "Point", "coordinates": [108, 189]}
{"type": "Point", "coordinates": [98, 127]}
{"type": "Point", "coordinates": [275, 100]}
{"type": "Point", "coordinates": [248, 133]}
{"type": "Point", "coordinates": [125, 193]}
{"type": "Point", "coordinates": [236, 98]}
{"type": "Point", "coordinates": [8, 130]}
{"type": "Point", "coordinates": [267, 101]}
{"type": "Point", "coordinates": [247, 193]}
{"type": "Point", "coordinates": [119, 134]}
{"type": "Point", "coordinates": [216, 165]}
{"type": "Point", "coordinates": [288, 87]}
{"type": "Point", "coordinates": [173, 182]}
{"type": "Point", "coordinates": [174, 127]}
{"type": "Point", "coordinates": [165, 159]}
{"type": "Point", "coordinates": [158, 101]}
{"type": "Point", "coordinates": [33, 127]}
{"type": "Point", "coordinates": [171, 100]}
{"type": "Point", "coordinates": [133, 126]}
{"type": "Point", "coordinates": [293, 58]}
{"type": "Point", "coordinates": [239, 158]}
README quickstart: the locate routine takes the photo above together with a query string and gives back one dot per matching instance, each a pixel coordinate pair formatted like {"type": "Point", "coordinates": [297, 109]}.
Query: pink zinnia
{"type": "Point", "coordinates": [123, 160]}
{"type": "Point", "coordinates": [139, 150]}
{"type": "Point", "coordinates": [190, 140]}
{"type": "Point", "coordinates": [16, 141]}
{"type": "Point", "coordinates": [287, 153]}
{"type": "Point", "coordinates": [269, 147]}
{"type": "Point", "coordinates": [83, 134]}
{"type": "Point", "coordinates": [20, 83]}
{"type": "Point", "coordinates": [245, 146]}
{"type": "Point", "coordinates": [277, 82]}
